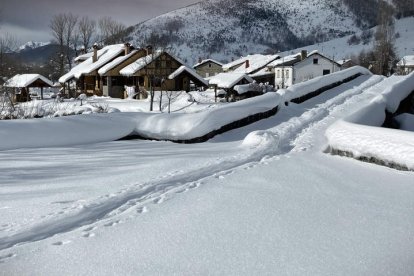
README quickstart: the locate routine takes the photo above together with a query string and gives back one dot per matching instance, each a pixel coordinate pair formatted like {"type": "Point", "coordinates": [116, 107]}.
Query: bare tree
{"type": "Point", "coordinates": [384, 48]}
{"type": "Point", "coordinates": [70, 37]}
{"type": "Point", "coordinates": [86, 30]}
{"type": "Point", "coordinates": [58, 28]}
{"type": "Point", "coordinates": [172, 96]}
{"type": "Point", "coordinates": [111, 31]}
{"type": "Point", "coordinates": [8, 44]}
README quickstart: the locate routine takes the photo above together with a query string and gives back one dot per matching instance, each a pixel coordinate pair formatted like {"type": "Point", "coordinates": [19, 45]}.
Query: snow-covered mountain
{"type": "Point", "coordinates": [228, 29]}
{"type": "Point", "coordinates": [32, 45]}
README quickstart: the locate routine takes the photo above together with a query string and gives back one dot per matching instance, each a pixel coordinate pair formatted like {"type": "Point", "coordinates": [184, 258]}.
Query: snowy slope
{"type": "Point", "coordinates": [228, 29]}
{"type": "Point", "coordinates": [32, 45]}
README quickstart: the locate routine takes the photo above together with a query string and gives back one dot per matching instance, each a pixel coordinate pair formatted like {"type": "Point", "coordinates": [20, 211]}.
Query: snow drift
{"type": "Point", "coordinates": [360, 135]}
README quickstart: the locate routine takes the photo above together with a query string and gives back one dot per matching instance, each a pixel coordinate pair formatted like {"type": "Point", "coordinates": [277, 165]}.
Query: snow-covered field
{"type": "Point", "coordinates": [260, 200]}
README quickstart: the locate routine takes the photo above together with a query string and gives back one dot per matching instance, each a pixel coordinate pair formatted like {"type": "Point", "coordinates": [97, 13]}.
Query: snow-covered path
{"type": "Point", "coordinates": [62, 196]}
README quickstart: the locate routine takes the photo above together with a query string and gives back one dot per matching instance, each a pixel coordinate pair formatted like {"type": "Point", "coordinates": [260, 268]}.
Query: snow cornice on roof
{"type": "Point", "coordinates": [25, 80]}
{"type": "Point", "coordinates": [190, 71]}
{"type": "Point", "coordinates": [207, 60]}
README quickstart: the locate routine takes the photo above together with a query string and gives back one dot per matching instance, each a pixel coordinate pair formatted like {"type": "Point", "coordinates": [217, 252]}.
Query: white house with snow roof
{"type": "Point", "coordinates": [301, 67]}
{"type": "Point", "coordinates": [406, 65]}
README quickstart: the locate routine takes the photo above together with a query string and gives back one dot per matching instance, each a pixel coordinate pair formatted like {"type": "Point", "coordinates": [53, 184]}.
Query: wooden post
{"type": "Point", "coordinates": [41, 92]}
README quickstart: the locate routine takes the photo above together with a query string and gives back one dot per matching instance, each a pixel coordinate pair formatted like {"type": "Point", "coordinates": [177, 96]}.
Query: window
{"type": "Point", "coordinates": [209, 65]}
{"type": "Point", "coordinates": [168, 63]}
{"type": "Point", "coordinates": [315, 61]}
{"type": "Point", "coordinates": [278, 73]}
{"type": "Point", "coordinates": [326, 72]}
{"type": "Point", "coordinates": [287, 74]}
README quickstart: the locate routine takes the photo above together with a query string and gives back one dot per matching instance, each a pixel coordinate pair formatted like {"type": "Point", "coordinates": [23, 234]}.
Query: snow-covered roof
{"type": "Point", "coordinates": [287, 60]}
{"type": "Point", "coordinates": [184, 68]}
{"type": "Point", "coordinates": [25, 80]}
{"type": "Point", "coordinates": [251, 87]}
{"type": "Point", "coordinates": [262, 72]}
{"type": "Point", "coordinates": [111, 65]}
{"type": "Point", "coordinates": [207, 60]}
{"type": "Point", "coordinates": [406, 61]}
{"type": "Point", "coordinates": [343, 61]}
{"type": "Point", "coordinates": [228, 80]}
{"type": "Point", "coordinates": [84, 56]}
{"type": "Point", "coordinates": [104, 55]}
{"type": "Point", "coordinates": [140, 63]}
{"type": "Point", "coordinates": [256, 62]}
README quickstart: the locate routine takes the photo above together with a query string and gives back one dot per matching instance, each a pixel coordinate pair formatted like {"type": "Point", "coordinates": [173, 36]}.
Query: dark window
{"type": "Point", "coordinates": [315, 61]}
{"type": "Point", "coordinates": [209, 65]}
{"type": "Point", "coordinates": [326, 72]}
{"type": "Point", "coordinates": [105, 81]}
{"type": "Point", "coordinates": [168, 63]}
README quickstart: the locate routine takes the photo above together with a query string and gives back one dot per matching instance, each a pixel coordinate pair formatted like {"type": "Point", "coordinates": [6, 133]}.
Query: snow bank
{"type": "Point", "coordinates": [94, 128]}
{"type": "Point", "coordinates": [406, 121]}
{"type": "Point", "coordinates": [64, 131]}
{"type": "Point", "coordinates": [260, 138]}
{"type": "Point", "coordinates": [360, 136]}
{"type": "Point", "coordinates": [304, 88]}
{"type": "Point", "coordinates": [181, 126]}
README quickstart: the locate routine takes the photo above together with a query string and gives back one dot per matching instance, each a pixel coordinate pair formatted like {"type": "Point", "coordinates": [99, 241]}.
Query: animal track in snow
{"type": "Point", "coordinates": [112, 223]}
{"type": "Point", "coordinates": [7, 256]}
{"type": "Point", "coordinates": [88, 235]}
{"type": "Point", "coordinates": [62, 242]}
{"type": "Point", "coordinates": [142, 210]}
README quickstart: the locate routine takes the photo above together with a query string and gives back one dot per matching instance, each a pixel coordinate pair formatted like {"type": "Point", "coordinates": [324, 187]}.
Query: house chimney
{"type": "Point", "coordinates": [303, 54]}
{"type": "Point", "coordinates": [127, 47]}
{"type": "Point", "coordinates": [200, 60]}
{"type": "Point", "coordinates": [247, 63]}
{"type": "Point", "coordinates": [149, 50]}
{"type": "Point", "coordinates": [82, 50]}
{"type": "Point", "coordinates": [95, 52]}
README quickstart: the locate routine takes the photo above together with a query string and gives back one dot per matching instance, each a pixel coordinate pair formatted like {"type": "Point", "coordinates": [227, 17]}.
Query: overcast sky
{"type": "Point", "coordinates": [29, 19]}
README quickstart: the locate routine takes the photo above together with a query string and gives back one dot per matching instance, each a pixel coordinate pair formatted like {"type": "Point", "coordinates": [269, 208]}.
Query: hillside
{"type": "Point", "coordinates": [229, 29]}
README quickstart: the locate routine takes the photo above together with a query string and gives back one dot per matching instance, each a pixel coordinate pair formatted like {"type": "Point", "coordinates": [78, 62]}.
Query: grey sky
{"type": "Point", "coordinates": [29, 19]}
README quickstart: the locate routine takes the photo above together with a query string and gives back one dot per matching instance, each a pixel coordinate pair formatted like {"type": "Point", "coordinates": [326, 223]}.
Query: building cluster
{"type": "Point", "coordinates": [123, 71]}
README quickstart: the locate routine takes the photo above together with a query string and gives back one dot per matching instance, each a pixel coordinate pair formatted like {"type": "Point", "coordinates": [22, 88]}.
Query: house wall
{"type": "Point", "coordinates": [209, 69]}
{"type": "Point", "coordinates": [283, 77]}
{"type": "Point", "coordinates": [306, 69]}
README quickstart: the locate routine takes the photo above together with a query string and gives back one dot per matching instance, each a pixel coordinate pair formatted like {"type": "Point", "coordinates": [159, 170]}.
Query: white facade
{"type": "Point", "coordinates": [312, 66]}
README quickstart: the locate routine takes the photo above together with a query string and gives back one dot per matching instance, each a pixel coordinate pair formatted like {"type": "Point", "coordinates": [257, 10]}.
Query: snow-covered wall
{"type": "Point", "coordinates": [304, 88]}
{"type": "Point", "coordinates": [361, 136]}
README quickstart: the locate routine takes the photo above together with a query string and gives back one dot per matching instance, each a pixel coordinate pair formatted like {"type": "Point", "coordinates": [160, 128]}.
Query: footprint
{"type": "Point", "coordinates": [61, 242]}
{"type": "Point", "coordinates": [159, 200]}
{"type": "Point", "coordinates": [112, 223]}
{"type": "Point", "coordinates": [142, 210]}
{"type": "Point", "coordinates": [89, 229]}
{"type": "Point", "coordinates": [194, 185]}
{"type": "Point", "coordinates": [7, 256]}
{"type": "Point", "coordinates": [88, 235]}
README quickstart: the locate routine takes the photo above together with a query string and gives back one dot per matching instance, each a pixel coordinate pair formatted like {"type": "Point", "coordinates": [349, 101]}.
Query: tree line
{"type": "Point", "coordinates": [74, 34]}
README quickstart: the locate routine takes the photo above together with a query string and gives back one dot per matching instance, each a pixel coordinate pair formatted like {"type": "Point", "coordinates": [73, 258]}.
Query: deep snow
{"type": "Point", "coordinates": [268, 202]}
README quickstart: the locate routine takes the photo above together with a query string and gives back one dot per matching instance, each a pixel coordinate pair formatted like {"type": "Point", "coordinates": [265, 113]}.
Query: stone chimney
{"type": "Point", "coordinates": [200, 60]}
{"type": "Point", "coordinates": [149, 50]}
{"type": "Point", "coordinates": [95, 52]}
{"type": "Point", "coordinates": [303, 54]}
{"type": "Point", "coordinates": [247, 63]}
{"type": "Point", "coordinates": [127, 47]}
